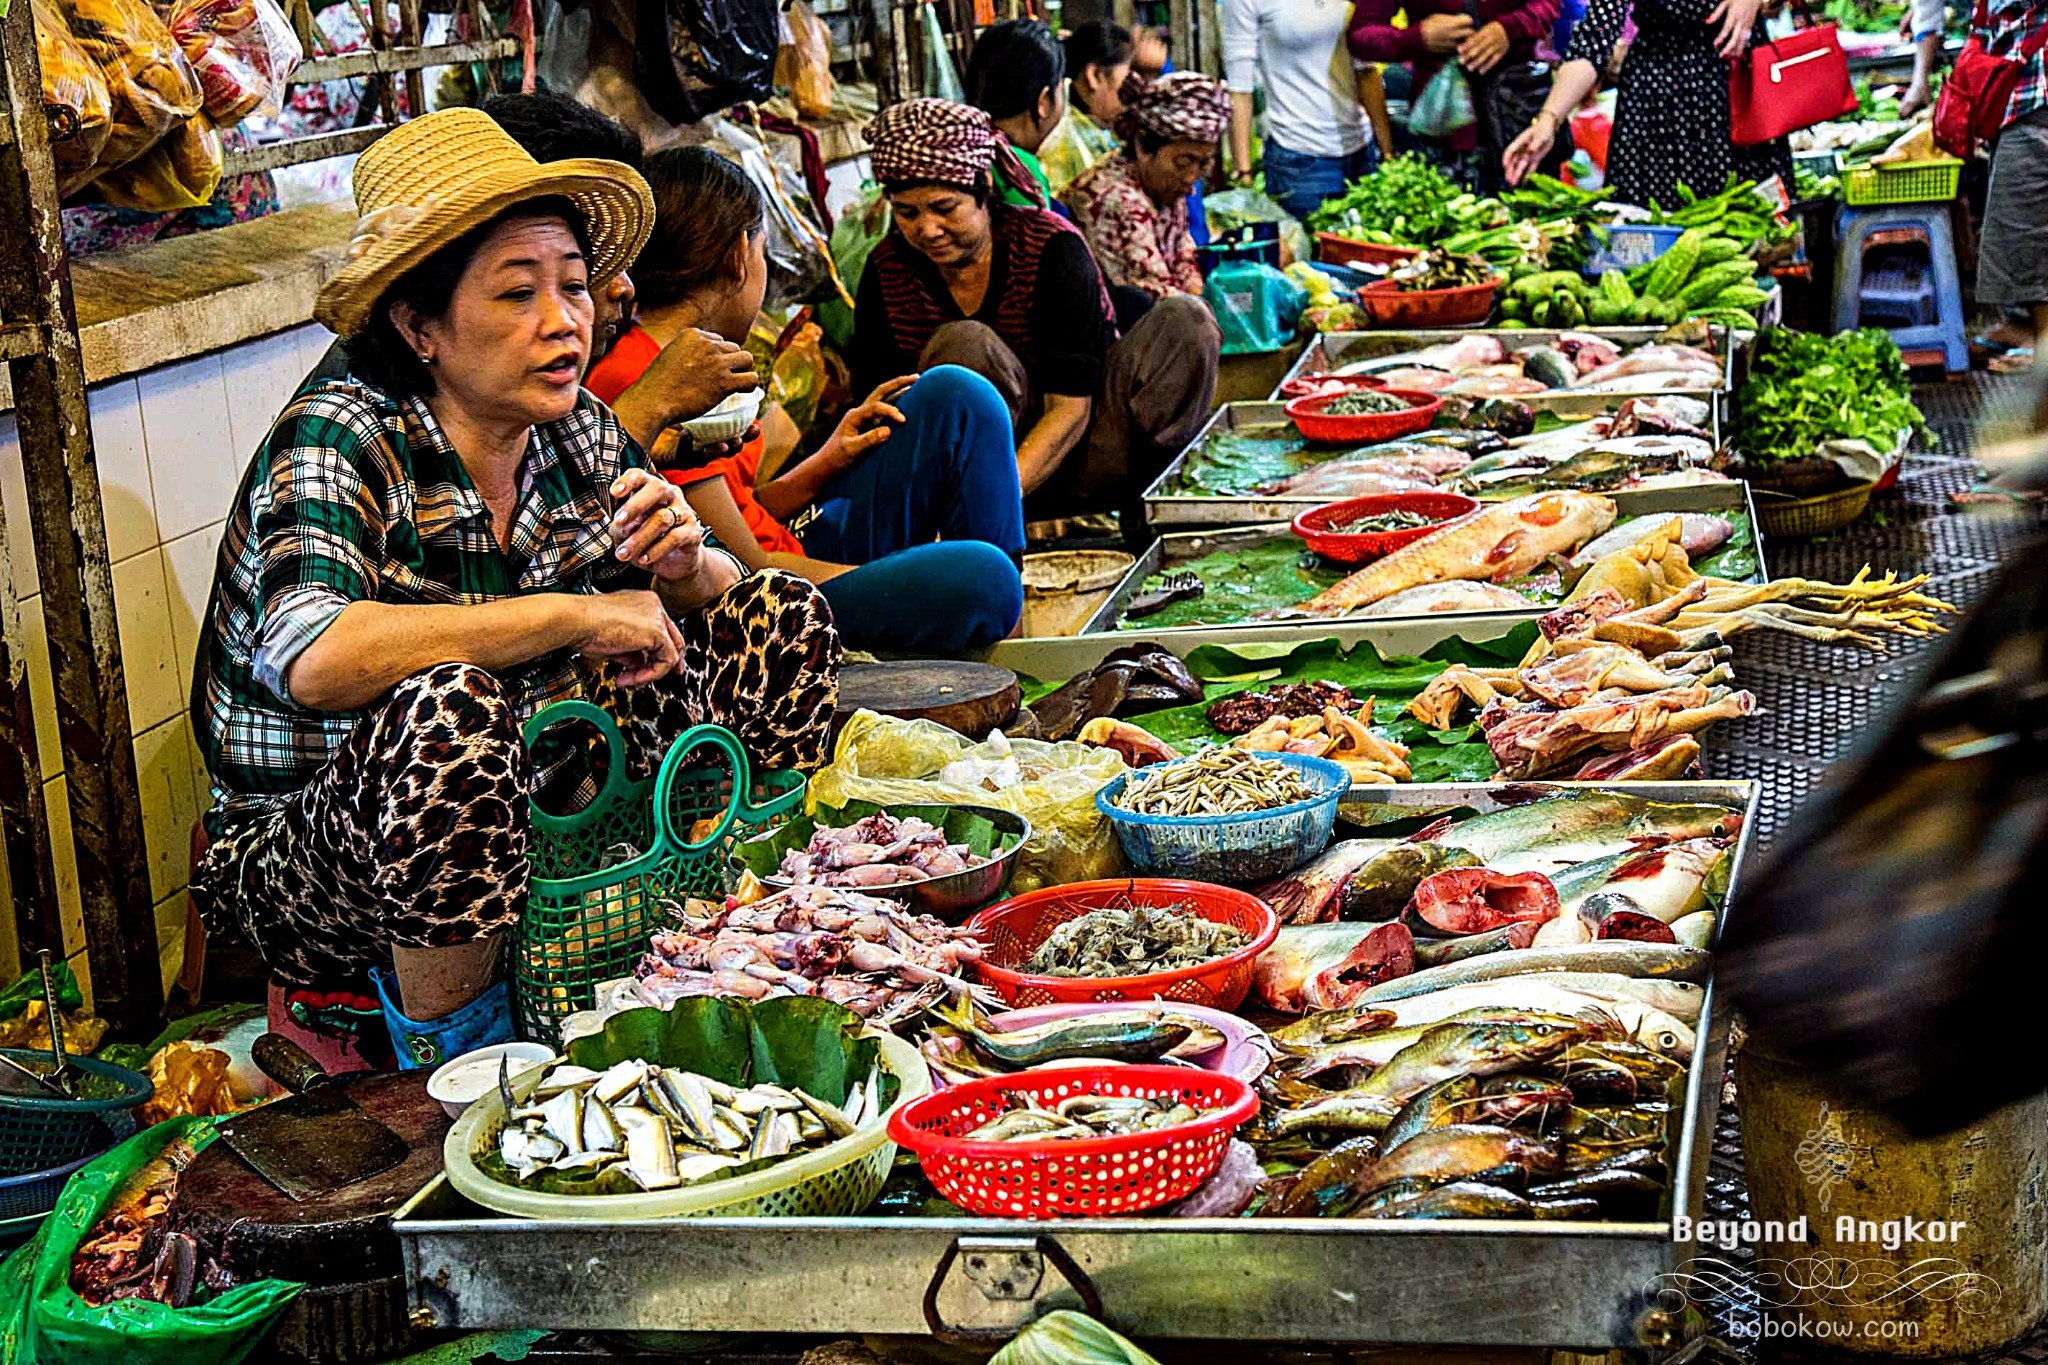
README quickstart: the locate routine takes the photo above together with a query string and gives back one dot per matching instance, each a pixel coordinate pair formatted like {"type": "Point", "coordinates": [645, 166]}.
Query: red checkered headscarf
{"type": "Point", "coordinates": [953, 144]}
{"type": "Point", "coordinates": [1181, 106]}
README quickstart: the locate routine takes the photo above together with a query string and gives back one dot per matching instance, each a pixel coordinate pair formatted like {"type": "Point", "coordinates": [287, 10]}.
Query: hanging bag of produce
{"type": "Point", "coordinates": [75, 97]}
{"type": "Point", "coordinates": [152, 84]}
{"type": "Point", "coordinates": [1970, 110]}
{"type": "Point", "coordinates": [1780, 86]}
{"type": "Point", "coordinates": [696, 57]}
{"type": "Point", "coordinates": [804, 65]}
{"type": "Point", "coordinates": [242, 51]}
{"type": "Point", "coordinates": [1445, 105]}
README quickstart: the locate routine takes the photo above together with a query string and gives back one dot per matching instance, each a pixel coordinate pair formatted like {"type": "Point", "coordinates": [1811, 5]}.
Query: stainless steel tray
{"type": "Point", "coordinates": [1328, 350]}
{"type": "Point", "coordinates": [1592, 1286]}
{"type": "Point", "coordinates": [1165, 507]}
{"type": "Point", "coordinates": [1170, 550]}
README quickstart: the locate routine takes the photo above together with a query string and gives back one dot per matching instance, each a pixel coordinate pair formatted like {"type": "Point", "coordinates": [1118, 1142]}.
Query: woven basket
{"type": "Point", "coordinates": [1801, 518]}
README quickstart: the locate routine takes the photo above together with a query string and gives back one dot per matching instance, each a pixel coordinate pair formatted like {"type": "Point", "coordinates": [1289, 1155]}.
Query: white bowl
{"type": "Point", "coordinates": [728, 421]}
{"type": "Point", "coordinates": [461, 1081]}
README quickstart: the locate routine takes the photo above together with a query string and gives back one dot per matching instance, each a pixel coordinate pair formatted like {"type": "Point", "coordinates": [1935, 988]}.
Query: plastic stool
{"type": "Point", "coordinates": [1855, 230]}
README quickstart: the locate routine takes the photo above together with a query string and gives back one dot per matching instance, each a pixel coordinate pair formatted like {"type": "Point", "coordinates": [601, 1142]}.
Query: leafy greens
{"type": "Point", "coordinates": [1804, 390]}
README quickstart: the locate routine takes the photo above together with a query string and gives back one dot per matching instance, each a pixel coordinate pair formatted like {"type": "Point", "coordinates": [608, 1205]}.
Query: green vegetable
{"type": "Point", "coordinates": [1566, 310]}
{"type": "Point", "coordinates": [1805, 389]}
{"type": "Point", "coordinates": [1715, 250]}
{"type": "Point", "coordinates": [1065, 1337]}
{"type": "Point", "coordinates": [1674, 267]}
{"type": "Point", "coordinates": [1532, 287]}
{"type": "Point", "coordinates": [1743, 296]}
{"type": "Point", "coordinates": [1604, 312]}
{"type": "Point", "coordinates": [1711, 281]}
{"type": "Point", "coordinates": [1737, 318]}
{"type": "Point", "coordinates": [1540, 314]}
{"type": "Point", "coordinates": [1614, 287]}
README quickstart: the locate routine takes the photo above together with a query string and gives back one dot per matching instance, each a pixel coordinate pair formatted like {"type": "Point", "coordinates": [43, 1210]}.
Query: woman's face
{"type": "Point", "coordinates": [942, 222]}
{"type": "Point", "coordinates": [1098, 86]}
{"type": "Point", "coordinates": [730, 312]}
{"type": "Point", "coordinates": [512, 346]}
{"type": "Point", "coordinates": [1172, 172]}
{"type": "Point", "coordinates": [615, 308]}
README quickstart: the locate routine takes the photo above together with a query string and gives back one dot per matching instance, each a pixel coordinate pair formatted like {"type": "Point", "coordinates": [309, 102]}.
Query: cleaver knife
{"type": "Point", "coordinates": [315, 1140]}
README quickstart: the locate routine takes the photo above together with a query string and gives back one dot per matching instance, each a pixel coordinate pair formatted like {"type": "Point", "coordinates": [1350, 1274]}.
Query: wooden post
{"type": "Point", "coordinates": [70, 535]}
{"type": "Point", "coordinates": [24, 822]}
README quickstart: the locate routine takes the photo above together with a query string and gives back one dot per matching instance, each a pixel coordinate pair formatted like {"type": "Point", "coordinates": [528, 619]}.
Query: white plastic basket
{"type": "Point", "coordinates": [837, 1181]}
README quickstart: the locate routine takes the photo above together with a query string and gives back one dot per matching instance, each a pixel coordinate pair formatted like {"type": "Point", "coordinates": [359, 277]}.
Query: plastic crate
{"type": "Point", "coordinates": [1632, 244]}
{"type": "Point", "coordinates": [604, 876]}
{"type": "Point", "coordinates": [38, 1133]}
{"type": "Point", "coordinates": [1909, 182]}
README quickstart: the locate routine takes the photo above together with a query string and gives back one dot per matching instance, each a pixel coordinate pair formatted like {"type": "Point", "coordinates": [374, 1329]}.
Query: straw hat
{"type": "Point", "coordinates": [425, 183]}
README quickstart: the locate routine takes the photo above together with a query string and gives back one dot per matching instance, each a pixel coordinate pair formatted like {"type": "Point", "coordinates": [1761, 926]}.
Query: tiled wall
{"type": "Point", "coordinates": [172, 444]}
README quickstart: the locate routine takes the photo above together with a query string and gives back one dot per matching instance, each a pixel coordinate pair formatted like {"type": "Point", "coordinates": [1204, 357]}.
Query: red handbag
{"type": "Point", "coordinates": [1971, 106]}
{"type": "Point", "coordinates": [1794, 82]}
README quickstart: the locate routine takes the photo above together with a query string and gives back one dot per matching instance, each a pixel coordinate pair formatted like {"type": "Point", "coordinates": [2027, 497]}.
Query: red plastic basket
{"type": "Point", "coordinates": [1364, 428]}
{"type": "Point", "coordinates": [1332, 249]}
{"type": "Point", "coordinates": [1012, 930]}
{"type": "Point", "coordinates": [1083, 1178]}
{"type": "Point", "coordinates": [1389, 305]}
{"type": "Point", "coordinates": [1356, 547]}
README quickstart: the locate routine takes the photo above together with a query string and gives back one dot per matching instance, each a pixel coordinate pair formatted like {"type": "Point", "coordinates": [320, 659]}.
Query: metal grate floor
{"type": "Point", "coordinates": [1814, 701]}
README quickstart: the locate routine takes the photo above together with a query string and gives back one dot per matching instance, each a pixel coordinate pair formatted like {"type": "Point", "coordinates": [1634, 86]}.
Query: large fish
{"type": "Point", "coordinates": [1482, 1048]}
{"type": "Point", "coordinates": [1642, 961]}
{"type": "Point", "coordinates": [1574, 827]}
{"type": "Point", "coordinates": [1454, 596]}
{"type": "Point", "coordinates": [1495, 543]}
{"type": "Point", "coordinates": [1358, 879]}
{"type": "Point", "coordinates": [1473, 900]}
{"type": "Point", "coordinates": [1375, 1050]}
{"type": "Point", "coordinates": [1700, 533]}
{"type": "Point", "coordinates": [1352, 479]}
{"type": "Point", "coordinates": [1644, 1023]}
{"type": "Point", "coordinates": [1328, 966]}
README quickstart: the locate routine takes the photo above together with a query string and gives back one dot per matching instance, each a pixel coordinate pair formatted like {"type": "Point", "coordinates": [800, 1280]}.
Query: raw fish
{"type": "Point", "coordinates": [1359, 879]}
{"type": "Point", "coordinates": [1327, 966]}
{"type": "Point", "coordinates": [1699, 534]}
{"type": "Point", "coordinates": [1494, 385]}
{"type": "Point", "coordinates": [1497, 543]}
{"type": "Point", "coordinates": [1352, 479]}
{"type": "Point", "coordinates": [1473, 900]}
{"type": "Point", "coordinates": [1453, 596]}
{"type": "Point", "coordinates": [1425, 378]}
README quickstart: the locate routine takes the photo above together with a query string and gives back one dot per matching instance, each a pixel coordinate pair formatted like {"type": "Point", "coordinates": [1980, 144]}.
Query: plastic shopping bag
{"type": "Point", "coordinates": [1445, 105]}
{"type": "Point", "coordinates": [75, 96]}
{"type": "Point", "coordinates": [152, 84]}
{"type": "Point", "coordinates": [242, 51]}
{"type": "Point", "coordinates": [1255, 305]}
{"type": "Point", "coordinates": [911, 762]}
{"type": "Point", "coordinates": [857, 231]}
{"type": "Point", "coordinates": [1233, 209]}
{"type": "Point", "coordinates": [44, 1322]}
{"type": "Point", "coordinates": [696, 57]}
{"type": "Point", "coordinates": [180, 172]}
{"type": "Point", "coordinates": [803, 66]}
{"type": "Point", "coordinates": [940, 79]}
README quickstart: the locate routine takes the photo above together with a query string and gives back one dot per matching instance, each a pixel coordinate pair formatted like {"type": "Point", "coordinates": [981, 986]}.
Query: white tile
{"type": "Point", "coordinates": [194, 465]}
{"type": "Point", "coordinates": [148, 650]}
{"type": "Point", "coordinates": [119, 452]}
{"type": "Point", "coordinates": [188, 578]}
{"type": "Point", "coordinates": [261, 376]}
{"type": "Point", "coordinates": [20, 547]}
{"type": "Point", "coordinates": [70, 909]}
{"type": "Point", "coordinates": [42, 694]}
{"type": "Point", "coordinates": [163, 770]}
{"type": "Point", "coordinates": [202, 782]}
{"type": "Point", "coordinates": [313, 341]}
{"type": "Point", "coordinates": [170, 935]}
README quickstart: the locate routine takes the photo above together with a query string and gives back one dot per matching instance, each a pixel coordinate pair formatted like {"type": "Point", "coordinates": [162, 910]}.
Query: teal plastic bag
{"type": "Point", "coordinates": [1445, 105]}
{"type": "Point", "coordinates": [856, 232]}
{"type": "Point", "coordinates": [42, 1322]}
{"type": "Point", "coordinates": [1255, 305]}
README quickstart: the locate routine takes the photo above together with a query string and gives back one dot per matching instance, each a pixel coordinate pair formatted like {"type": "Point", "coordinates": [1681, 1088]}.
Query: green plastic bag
{"type": "Point", "coordinates": [1255, 306]}
{"type": "Point", "coordinates": [1445, 105]}
{"type": "Point", "coordinates": [29, 986]}
{"type": "Point", "coordinates": [42, 1322]}
{"type": "Point", "coordinates": [856, 232]}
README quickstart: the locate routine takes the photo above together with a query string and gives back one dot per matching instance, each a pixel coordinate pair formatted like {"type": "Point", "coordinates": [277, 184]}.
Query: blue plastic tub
{"type": "Point", "coordinates": [31, 1196]}
{"type": "Point", "coordinates": [1632, 244]}
{"type": "Point", "coordinates": [1231, 850]}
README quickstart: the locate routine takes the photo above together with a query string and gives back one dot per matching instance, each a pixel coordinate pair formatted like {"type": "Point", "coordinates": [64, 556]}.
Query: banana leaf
{"type": "Point", "coordinates": [961, 824]}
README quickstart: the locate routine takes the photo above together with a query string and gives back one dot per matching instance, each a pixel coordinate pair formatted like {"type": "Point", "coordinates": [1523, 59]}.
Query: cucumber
{"type": "Point", "coordinates": [1540, 314]}
{"type": "Point", "coordinates": [1605, 312]}
{"type": "Point", "coordinates": [1545, 283]}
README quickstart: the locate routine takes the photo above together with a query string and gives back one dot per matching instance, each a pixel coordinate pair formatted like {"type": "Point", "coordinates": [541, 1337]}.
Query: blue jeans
{"type": "Point", "coordinates": [934, 518]}
{"type": "Point", "coordinates": [1300, 183]}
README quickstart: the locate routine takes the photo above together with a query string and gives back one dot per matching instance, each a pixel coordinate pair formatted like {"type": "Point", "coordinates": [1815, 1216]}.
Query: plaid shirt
{"type": "Point", "coordinates": [2010, 23]}
{"type": "Point", "coordinates": [357, 496]}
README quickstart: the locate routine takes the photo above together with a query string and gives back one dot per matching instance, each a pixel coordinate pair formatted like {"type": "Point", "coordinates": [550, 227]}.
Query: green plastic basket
{"type": "Point", "coordinates": [1905, 182]}
{"type": "Point", "coordinates": [587, 920]}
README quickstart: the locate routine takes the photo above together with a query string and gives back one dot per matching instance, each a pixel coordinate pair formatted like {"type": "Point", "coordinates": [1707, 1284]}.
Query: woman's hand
{"type": "Point", "coordinates": [635, 629]}
{"type": "Point", "coordinates": [654, 528]}
{"type": "Point", "coordinates": [867, 426]}
{"type": "Point", "coordinates": [1443, 33]}
{"type": "Point", "coordinates": [1482, 52]}
{"type": "Point", "coordinates": [1736, 18]}
{"type": "Point", "coordinates": [1530, 147]}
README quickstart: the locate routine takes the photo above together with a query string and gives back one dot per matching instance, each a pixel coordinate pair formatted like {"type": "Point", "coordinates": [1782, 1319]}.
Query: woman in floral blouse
{"type": "Point", "coordinates": [1133, 208]}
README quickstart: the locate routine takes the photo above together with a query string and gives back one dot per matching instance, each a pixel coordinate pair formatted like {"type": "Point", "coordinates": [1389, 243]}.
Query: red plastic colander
{"type": "Point", "coordinates": [1356, 547]}
{"type": "Point", "coordinates": [1012, 930]}
{"type": "Point", "coordinates": [1083, 1178]}
{"type": "Point", "coordinates": [1361, 428]}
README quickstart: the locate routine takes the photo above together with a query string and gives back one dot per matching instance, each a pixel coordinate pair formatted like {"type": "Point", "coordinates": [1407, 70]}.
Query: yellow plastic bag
{"type": "Point", "coordinates": [803, 65]}
{"type": "Point", "coordinates": [180, 172]}
{"type": "Point", "coordinates": [152, 85]}
{"type": "Point", "coordinates": [74, 94]}
{"type": "Point", "coordinates": [906, 762]}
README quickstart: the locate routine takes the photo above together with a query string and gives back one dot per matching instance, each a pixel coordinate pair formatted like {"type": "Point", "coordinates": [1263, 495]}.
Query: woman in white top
{"type": "Point", "coordinates": [1316, 139]}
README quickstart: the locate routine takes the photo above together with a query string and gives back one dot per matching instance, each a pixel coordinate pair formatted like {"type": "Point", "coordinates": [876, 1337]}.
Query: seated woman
{"type": "Point", "coordinates": [1013, 294]}
{"type": "Point", "coordinates": [1017, 72]}
{"type": "Point", "coordinates": [1133, 208]}
{"type": "Point", "coordinates": [908, 517]}
{"type": "Point", "coordinates": [1098, 59]}
{"type": "Point", "coordinates": [426, 552]}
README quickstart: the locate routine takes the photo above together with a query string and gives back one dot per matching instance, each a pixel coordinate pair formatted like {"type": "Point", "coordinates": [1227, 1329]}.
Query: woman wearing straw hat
{"type": "Point", "coordinates": [1013, 294]}
{"type": "Point", "coordinates": [425, 553]}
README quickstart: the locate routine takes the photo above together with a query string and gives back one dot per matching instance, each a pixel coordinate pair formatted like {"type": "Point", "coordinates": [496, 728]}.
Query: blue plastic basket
{"type": "Point", "coordinates": [1632, 244]}
{"type": "Point", "coordinates": [1233, 850]}
{"type": "Point", "coordinates": [37, 1134]}
{"type": "Point", "coordinates": [33, 1195]}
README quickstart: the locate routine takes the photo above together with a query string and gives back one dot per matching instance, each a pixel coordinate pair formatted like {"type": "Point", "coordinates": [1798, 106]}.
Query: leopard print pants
{"type": "Point", "coordinates": [416, 832]}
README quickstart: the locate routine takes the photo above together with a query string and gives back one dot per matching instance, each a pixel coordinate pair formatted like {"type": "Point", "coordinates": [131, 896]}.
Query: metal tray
{"type": "Point", "coordinates": [1592, 1286]}
{"type": "Point", "coordinates": [1170, 550]}
{"type": "Point", "coordinates": [1328, 350]}
{"type": "Point", "coordinates": [1166, 508]}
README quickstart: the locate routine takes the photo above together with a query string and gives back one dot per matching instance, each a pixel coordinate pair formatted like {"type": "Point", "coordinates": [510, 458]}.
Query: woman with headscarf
{"type": "Point", "coordinates": [1014, 295]}
{"type": "Point", "coordinates": [1133, 208]}
{"type": "Point", "coordinates": [427, 551]}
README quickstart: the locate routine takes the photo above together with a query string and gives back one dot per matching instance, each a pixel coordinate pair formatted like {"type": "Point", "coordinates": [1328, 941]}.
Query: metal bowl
{"type": "Point", "coordinates": [952, 898]}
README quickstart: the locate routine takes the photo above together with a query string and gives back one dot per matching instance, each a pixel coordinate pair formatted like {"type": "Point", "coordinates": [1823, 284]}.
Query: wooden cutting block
{"type": "Point", "coordinates": [970, 698]}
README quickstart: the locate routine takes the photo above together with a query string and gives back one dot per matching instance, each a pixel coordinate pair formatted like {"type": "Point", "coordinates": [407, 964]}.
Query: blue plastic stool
{"type": "Point", "coordinates": [1858, 229]}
